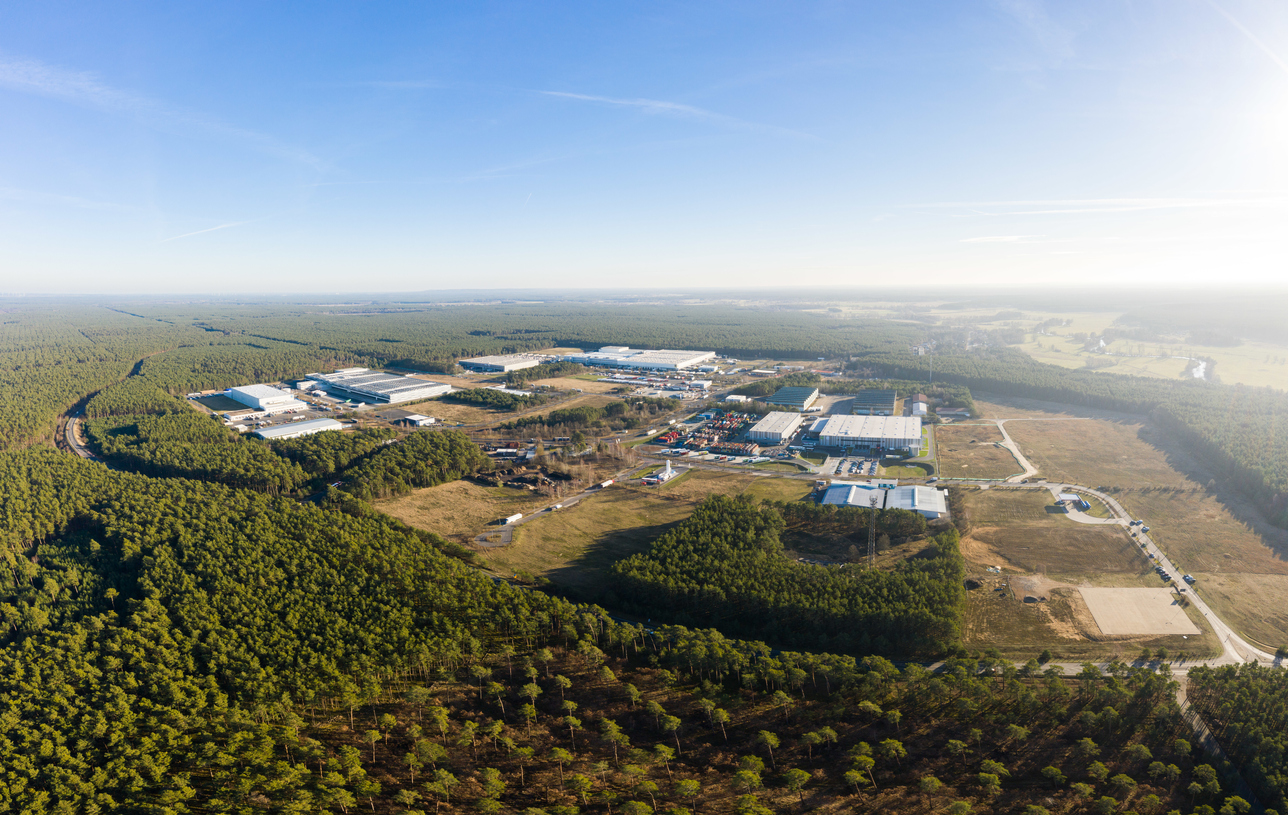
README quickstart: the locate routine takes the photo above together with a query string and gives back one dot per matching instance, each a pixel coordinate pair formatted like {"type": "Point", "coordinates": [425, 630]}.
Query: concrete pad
{"type": "Point", "coordinates": [1137, 611]}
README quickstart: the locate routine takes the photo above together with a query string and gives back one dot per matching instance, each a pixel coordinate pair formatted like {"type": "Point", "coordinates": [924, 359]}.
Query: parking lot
{"type": "Point", "coordinates": [856, 466]}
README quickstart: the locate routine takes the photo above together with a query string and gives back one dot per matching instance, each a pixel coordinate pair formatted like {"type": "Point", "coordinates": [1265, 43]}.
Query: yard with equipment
{"type": "Point", "coordinates": [972, 451]}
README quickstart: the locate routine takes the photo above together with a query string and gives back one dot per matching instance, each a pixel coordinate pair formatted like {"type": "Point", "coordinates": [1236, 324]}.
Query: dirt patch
{"type": "Point", "coordinates": [564, 383]}
{"type": "Point", "coordinates": [1138, 612]}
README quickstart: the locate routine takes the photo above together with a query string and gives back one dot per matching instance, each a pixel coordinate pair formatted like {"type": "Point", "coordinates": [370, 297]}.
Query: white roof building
{"type": "Point", "coordinates": [416, 420]}
{"type": "Point", "coordinates": [927, 501]}
{"type": "Point", "coordinates": [503, 362]}
{"type": "Point", "coordinates": [884, 432]}
{"type": "Point", "coordinates": [297, 429]}
{"type": "Point", "coordinates": [855, 495]}
{"type": "Point", "coordinates": [623, 356]}
{"type": "Point", "coordinates": [375, 386]}
{"type": "Point", "coordinates": [265, 398]}
{"type": "Point", "coordinates": [775, 427]}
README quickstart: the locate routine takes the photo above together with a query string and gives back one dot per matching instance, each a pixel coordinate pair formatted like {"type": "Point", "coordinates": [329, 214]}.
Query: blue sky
{"type": "Point", "coordinates": [276, 147]}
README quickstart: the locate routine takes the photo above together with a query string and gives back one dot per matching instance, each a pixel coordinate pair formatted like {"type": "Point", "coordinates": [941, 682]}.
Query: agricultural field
{"type": "Point", "coordinates": [575, 547]}
{"type": "Point", "coordinates": [971, 451]}
{"type": "Point", "coordinates": [1205, 531]}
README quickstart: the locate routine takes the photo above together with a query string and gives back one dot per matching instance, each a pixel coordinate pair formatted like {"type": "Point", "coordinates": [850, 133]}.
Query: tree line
{"type": "Point", "coordinates": [724, 567]}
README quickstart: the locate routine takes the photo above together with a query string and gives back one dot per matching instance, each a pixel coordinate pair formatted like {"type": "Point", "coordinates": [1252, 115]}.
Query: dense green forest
{"type": "Point", "coordinates": [173, 646]}
{"type": "Point", "coordinates": [1247, 708]}
{"type": "Point", "coordinates": [495, 399]}
{"type": "Point", "coordinates": [624, 414]}
{"type": "Point", "coordinates": [546, 370]}
{"type": "Point", "coordinates": [180, 635]}
{"type": "Point", "coordinates": [724, 567]}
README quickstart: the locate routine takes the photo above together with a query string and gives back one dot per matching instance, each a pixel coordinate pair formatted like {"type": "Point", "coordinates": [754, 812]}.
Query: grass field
{"type": "Point", "coordinates": [1023, 531]}
{"type": "Point", "coordinates": [1197, 528]}
{"type": "Point", "coordinates": [912, 470]}
{"type": "Point", "coordinates": [779, 466]}
{"type": "Point", "coordinates": [460, 510]}
{"type": "Point", "coordinates": [971, 451]}
{"type": "Point", "coordinates": [576, 547]}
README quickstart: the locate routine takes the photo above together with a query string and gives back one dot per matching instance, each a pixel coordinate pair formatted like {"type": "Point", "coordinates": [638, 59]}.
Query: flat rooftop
{"type": "Point", "coordinates": [873, 427]}
{"type": "Point", "coordinates": [777, 422]}
{"type": "Point", "coordinates": [261, 392]}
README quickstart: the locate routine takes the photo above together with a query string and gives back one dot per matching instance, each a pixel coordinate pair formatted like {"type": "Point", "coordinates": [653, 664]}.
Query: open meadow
{"type": "Point", "coordinates": [1205, 530]}
{"type": "Point", "coordinates": [971, 451]}
{"type": "Point", "coordinates": [459, 510]}
{"type": "Point", "coordinates": [575, 547]}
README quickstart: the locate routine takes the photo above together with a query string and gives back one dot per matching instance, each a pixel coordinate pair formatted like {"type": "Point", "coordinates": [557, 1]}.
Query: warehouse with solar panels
{"type": "Point", "coordinates": [794, 398]}
{"type": "Point", "coordinates": [874, 403]}
{"type": "Point", "coordinates": [376, 386]}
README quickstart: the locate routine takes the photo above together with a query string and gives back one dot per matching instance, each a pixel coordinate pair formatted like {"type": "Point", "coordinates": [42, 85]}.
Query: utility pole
{"type": "Point", "coordinates": [872, 530]}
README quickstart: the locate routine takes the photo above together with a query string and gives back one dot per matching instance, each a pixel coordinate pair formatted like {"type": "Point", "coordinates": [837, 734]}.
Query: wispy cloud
{"type": "Point", "coordinates": [1001, 239]}
{"type": "Point", "coordinates": [398, 84]}
{"type": "Point", "coordinates": [1091, 206]}
{"type": "Point", "coordinates": [34, 196]}
{"type": "Point", "coordinates": [1032, 15]}
{"type": "Point", "coordinates": [1275, 58]}
{"type": "Point", "coordinates": [209, 229]}
{"type": "Point", "coordinates": [86, 90]}
{"type": "Point", "coordinates": [664, 108]}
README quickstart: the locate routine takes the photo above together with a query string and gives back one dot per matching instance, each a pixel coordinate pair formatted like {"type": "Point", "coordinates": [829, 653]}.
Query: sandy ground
{"type": "Point", "coordinates": [1137, 611]}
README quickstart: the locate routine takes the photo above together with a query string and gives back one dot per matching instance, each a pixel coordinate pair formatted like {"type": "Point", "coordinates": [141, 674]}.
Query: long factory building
{"type": "Point", "coordinates": [503, 363]}
{"type": "Point", "coordinates": [872, 432]}
{"type": "Point", "coordinates": [266, 399]}
{"type": "Point", "coordinates": [294, 430]}
{"type": "Point", "coordinates": [376, 386]}
{"type": "Point", "coordinates": [623, 356]}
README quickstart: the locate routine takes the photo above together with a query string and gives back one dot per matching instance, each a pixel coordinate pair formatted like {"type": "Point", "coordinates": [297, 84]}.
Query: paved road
{"type": "Point", "coordinates": [1009, 444]}
{"type": "Point", "coordinates": [73, 438]}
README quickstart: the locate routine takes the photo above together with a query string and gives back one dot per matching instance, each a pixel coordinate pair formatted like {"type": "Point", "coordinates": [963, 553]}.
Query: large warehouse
{"type": "Point", "coordinates": [503, 363]}
{"type": "Point", "coordinates": [775, 428]}
{"type": "Point", "coordinates": [623, 356]}
{"type": "Point", "coordinates": [874, 403]}
{"type": "Point", "coordinates": [926, 501]}
{"type": "Point", "coordinates": [264, 398]}
{"type": "Point", "coordinates": [296, 429]}
{"type": "Point", "coordinates": [795, 398]}
{"type": "Point", "coordinates": [872, 432]}
{"type": "Point", "coordinates": [375, 386]}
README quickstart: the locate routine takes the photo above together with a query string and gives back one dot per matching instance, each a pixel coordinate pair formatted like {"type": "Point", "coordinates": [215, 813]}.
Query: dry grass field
{"type": "Point", "coordinates": [576, 547]}
{"type": "Point", "coordinates": [564, 383]}
{"type": "Point", "coordinates": [970, 451]}
{"type": "Point", "coordinates": [1023, 531]}
{"type": "Point", "coordinates": [460, 510]}
{"type": "Point", "coordinates": [1204, 532]}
